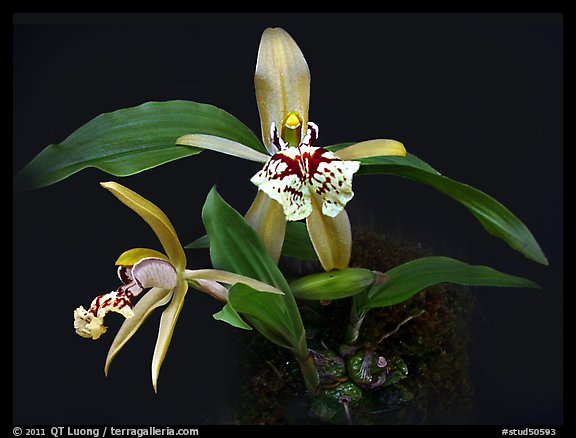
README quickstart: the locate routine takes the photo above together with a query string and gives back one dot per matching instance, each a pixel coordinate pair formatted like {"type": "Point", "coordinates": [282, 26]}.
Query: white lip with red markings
{"type": "Point", "coordinates": [292, 174]}
{"type": "Point", "coordinates": [146, 273]}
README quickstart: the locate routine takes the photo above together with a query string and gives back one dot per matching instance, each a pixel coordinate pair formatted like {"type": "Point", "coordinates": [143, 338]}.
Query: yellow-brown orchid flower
{"type": "Point", "coordinates": [165, 278]}
{"type": "Point", "coordinates": [299, 180]}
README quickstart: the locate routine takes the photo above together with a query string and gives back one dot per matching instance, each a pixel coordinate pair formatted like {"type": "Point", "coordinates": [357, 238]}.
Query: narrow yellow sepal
{"type": "Point", "coordinates": [372, 148]}
{"type": "Point", "coordinates": [230, 278]}
{"type": "Point", "coordinates": [152, 299]}
{"type": "Point", "coordinates": [134, 255]}
{"type": "Point", "coordinates": [330, 236]}
{"type": "Point", "coordinates": [222, 145]}
{"type": "Point", "coordinates": [166, 330]}
{"type": "Point", "coordinates": [154, 217]}
{"type": "Point", "coordinates": [267, 218]}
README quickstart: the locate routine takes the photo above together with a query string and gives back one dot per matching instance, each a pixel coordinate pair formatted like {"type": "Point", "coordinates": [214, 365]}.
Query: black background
{"type": "Point", "coordinates": [478, 96]}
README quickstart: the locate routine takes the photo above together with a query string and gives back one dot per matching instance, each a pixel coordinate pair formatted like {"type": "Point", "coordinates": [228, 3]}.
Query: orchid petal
{"type": "Point", "coordinates": [210, 287]}
{"type": "Point", "coordinates": [230, 278]}
{"type": "Point", "coordinates": [329, 177]}
{"type": "Point", "coordinates": [330, 236]}
{"type": "Point", "coordinates": [267, 218]}
{"type": "Point", "coordinates": [154, 298]}
{"type": "Point", "coordinates": [167, 324]}
{"type": "Point", "coordinates": [154, 217]}
{"type": "Point", "coordinates": [134, 255]}
{"type": "Point", "coordinates": [282, 81]}
{"type": "Point", "coordinates": [371, 148]}
{"type": "Point", "coordinates": [222, 145]}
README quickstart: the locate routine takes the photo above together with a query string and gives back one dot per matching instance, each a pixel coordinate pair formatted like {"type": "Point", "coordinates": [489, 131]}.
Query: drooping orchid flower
{"type": "Point", "coordinates": [156, 279]}
{"type": "Point", "coordinates": [299, 180]}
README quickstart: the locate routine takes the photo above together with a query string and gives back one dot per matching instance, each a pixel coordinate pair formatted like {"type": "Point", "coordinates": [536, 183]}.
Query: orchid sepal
{"type": "Point", "coordinates": [230, 278]}
{"type": "Point", "coordinates": [371, 148]}
{"type": "Point", "coordinates": [281, 81]}
{"type": "Point", "coordinates": [222, 145]}
{"type": "Point", "coordinates": [166, 329]}
{"type": "Point", "coordinates": [267, 218]}
{"type": "Point", "coordinates": [155, 218]}
{"type": "Point", "coordinates": [153, 299]}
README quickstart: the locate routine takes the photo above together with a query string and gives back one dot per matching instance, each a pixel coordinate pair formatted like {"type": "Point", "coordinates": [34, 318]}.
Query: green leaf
{"type": "Point", "coordinates": [494, 217]}
{"type": "Point", "coordinates": [408, 279]}
{"type": "Point", "coordinates": [132, 140]}
{"type": "Point", "coordinates": [229, 315]}
{"type": "Point", "coordinates": [339, 283]}
{"type": "Point", "coordinates": [235, 247]}
{"type": "Point", "coordinates": [267, 316]}
{"type": "Point", "coordinates": [200, 243]}
{"type": "Point", "coordinates": [297, 242]}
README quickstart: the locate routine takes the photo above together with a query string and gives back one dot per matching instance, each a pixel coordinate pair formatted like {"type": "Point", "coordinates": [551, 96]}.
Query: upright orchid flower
{"type": "Point", "coordinates": [164, 275]}
{"type": "Point", "coordinates": [299, 180]}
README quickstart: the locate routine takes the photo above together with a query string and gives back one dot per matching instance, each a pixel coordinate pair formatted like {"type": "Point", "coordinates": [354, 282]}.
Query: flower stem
{"type": "Point", "coordinates": [353, 329]}
{"type": "Point", "coordinates": [309, 372]}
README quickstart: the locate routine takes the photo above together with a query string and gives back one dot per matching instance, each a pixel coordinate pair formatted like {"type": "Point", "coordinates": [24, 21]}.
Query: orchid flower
{"type": "Point", "coordinates": [156, 279]}
{"type": "Point", "coordinates": [298, 180]}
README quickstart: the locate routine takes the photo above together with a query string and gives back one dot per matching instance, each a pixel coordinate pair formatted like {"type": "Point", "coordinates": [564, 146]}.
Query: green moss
{"type": "Point", "coordinates": [433, 346]}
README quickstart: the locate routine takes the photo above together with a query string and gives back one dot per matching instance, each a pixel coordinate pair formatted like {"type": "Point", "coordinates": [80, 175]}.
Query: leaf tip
{"type": "Point", "coordinates": [543, 260]}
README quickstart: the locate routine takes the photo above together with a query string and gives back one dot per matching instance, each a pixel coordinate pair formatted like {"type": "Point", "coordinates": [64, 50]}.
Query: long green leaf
{"type": "Point", "coordinates": [267, 316]}
{"type": "Point", "coordinates": [408, 279]}
{"type": "Point", "coordinates": [131, 140]}
{"type": "Point", "coordinates": [494, 217]}
{"type": "Point", "coordinates": [235, 247]}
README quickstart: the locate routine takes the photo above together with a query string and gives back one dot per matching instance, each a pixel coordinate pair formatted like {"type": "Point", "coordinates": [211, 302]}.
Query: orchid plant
{"type": "Point", "coordinates": [299, 211]}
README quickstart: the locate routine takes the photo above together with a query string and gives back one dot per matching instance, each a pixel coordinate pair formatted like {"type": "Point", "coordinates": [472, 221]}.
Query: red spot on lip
{"type": "Point", "coordinates": [314, 160]}
{"type": "Point", "coordinates": [293, 166]}
{"type": "Point", "coordinates": [122, 299]}
{"type": "Point", "coordinates": [293, 191]}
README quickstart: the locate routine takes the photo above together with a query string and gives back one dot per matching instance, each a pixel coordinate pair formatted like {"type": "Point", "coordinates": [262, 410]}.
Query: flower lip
{"type": "Point", "coordinates": [146, 273]}
{"type": "Point", "coordinates": [90, 323]}
{"type": "Point", "coordinates": [293, 174]}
